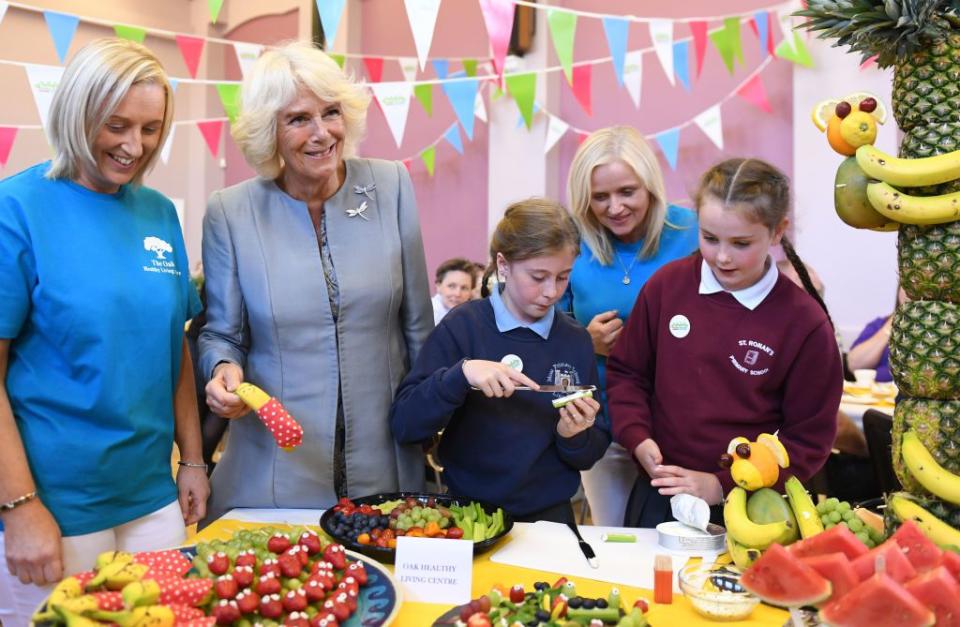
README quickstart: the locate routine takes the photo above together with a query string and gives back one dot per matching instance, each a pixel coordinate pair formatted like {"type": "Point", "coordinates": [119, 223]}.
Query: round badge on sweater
{"type": "Point", "coordinates": [679, 326]}
{"type": "Point", "coordinates": [513, 361]}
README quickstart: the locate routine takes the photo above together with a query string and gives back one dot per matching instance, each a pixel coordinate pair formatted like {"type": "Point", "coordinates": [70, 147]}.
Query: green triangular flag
{"type": "Point", "coordinates": [727, 41]}
{"type": "Point", "coordinates": [563, 27]}
{"type": "Point", "coordinates": [424, 94]}
{"type": "Point", "coordinates": [133, 33]}
{"type": "Point", "coordinates": [523, 88]}
{"type": "Point", "coordinates": [470, 67]}
{"type": "Point", "coordinates": [230, 99]}
{"type": "Point", "coordinates": [214, 7]}
{"type": "Point", "coordinates": [497, 93]}
{"type": "Point", "coordinates": [797, 53]}
{"type": "Point", "coordinates": [339, 58]}
{"type": "Point", "coordinates": [429, 157]}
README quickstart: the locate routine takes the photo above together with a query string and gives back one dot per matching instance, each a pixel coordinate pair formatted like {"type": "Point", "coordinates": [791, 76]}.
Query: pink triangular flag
{"type": "Point", "coordinates": [191, 48]}
{"type": "Point", "coordinates": [770, 47]}
{"type": "Point", "coordinates": [582, 137]}
{"type": "Point", "coordinates": [871, 61]}
{"type": "Point", "coordinates": [699, 31]}
{"type": "Point", "coordinates": [211, 134]}
{"type": "Point", "coordinates": [498, 16]}
{"type": "Point", "coordinates": [581, 86]}
{"type": "Point", "coordinates": [7, 135]}
{"type": "Point", "coordinates": [754, 92]}
{"type": "Point", "coordinates": [408, 164]}
{"type": "Point", "coordinates": [374, 68]}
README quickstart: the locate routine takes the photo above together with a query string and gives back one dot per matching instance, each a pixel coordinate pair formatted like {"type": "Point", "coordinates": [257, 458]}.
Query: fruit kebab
{"type": "Point", "coordinates": [286, 431]}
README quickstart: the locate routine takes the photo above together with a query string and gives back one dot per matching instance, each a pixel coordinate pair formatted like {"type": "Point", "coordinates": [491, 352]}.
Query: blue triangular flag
{"type": "Point", "coordinates": [763, 30]}
{"type": "Point", "coordinates": [441, 67]}
{"type": "Point", "coordinates": [681, 62]}
{"type": "Point", "coordinates": [330, 12]}
{"type": "Point", "coordinates": [669, 143]}
{"type": "Point", "coordinates": [62, 28]}
{"type": "Point", "coordinates": [173, 84]}
{"type": "Point", "coordinates": [453, 136]}
{"type": "Point", "coordinates": [463, 95]}
{"type": "Point", "coordinates": [616, 31]}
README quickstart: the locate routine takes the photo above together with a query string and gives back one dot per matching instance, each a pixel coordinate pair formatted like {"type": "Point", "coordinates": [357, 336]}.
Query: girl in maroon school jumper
{"type": "Point", "coordinates": [719, 345]}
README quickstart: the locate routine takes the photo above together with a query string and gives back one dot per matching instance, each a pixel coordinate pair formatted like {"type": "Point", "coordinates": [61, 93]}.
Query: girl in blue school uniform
{"type": "Point", "coordinates": [501, 445]}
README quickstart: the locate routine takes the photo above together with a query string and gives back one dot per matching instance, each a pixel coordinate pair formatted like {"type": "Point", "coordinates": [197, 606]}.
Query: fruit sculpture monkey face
{"type": "Point", "coordinates": [755, 465]}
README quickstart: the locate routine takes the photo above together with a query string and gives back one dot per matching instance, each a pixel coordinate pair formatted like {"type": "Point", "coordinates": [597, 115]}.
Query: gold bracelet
{"type": "Point", "coordinates": [17, 502]}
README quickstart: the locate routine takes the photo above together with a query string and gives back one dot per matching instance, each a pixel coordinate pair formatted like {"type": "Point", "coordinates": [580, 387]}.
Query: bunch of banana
{"type": "Point", "coordinates": [917, 459]}
{"type": "Point", "coordinates": [905, 507]}
{"type": "Point", "coordinates": [908, 172]}
{"type": "Point", "coordinates": [907, 209]}
{"type": "Point", "coordinates": [748, 533]}
{"type": "Point", "coordinates": [808, 519]}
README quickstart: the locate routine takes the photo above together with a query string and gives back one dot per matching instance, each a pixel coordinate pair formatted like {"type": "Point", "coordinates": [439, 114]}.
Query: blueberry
{"type": "Point", "coordinates": [574, 603]}
{"type": "Point", "coordinates": [541, 585]}
{"type": "Point", "coordinates": [542, 615]}
{"type": "Point", "coordinates": [601, 603]}
{"type": "Point", "coordinates": [589, 604]}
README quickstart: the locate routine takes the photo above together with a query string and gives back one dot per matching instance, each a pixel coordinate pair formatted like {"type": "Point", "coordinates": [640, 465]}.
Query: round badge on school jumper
{"type": "Point", "coordinates": [513, 361]}
{"type": "Point", "coordinates": [679, 326]}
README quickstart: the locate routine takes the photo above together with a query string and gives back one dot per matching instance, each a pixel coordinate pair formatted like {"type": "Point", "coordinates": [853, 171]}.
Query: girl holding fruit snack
{"type": "Point", "coordinates": [719, 345]}
{"type": "Point", "coordinates": [521, 452]}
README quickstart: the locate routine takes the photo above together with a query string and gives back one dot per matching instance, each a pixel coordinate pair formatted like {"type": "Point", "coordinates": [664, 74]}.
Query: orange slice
{"type": "Point", "coordinates": [824, 109]}
{"type": "Point", "coordinates": [773, 443]}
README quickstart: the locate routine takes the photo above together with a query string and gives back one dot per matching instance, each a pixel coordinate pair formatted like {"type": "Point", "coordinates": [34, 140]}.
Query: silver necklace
{"type": "Point", "coordinates": [626, 269]}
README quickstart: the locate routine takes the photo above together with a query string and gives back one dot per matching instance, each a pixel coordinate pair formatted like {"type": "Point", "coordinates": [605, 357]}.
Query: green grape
{"type": "Point", "coordinates": [822, 508]}
{"type": "Point", "coordinates": [844, 506]}
{"type": "Point", "coordinates": [443, 522]}
{"type": "Point", "coordinates": [856, 525]}
{"type": "Point", "coordinates": [847, 515]}
{"type": "Point", "coordinates": [833, 502]}
{"type": "Point", "coordinates": [863, 536]}
{"type": "Point", "coordinates": [825, 519]}
{"type": "Point", "coordinates": [870, 543]}
{"type": "Point", "coordinates": [416, 511]}
{"type": "Point", "coordinates": [835, 516]}
{"type": "Point", "coordinates": [829, 525]}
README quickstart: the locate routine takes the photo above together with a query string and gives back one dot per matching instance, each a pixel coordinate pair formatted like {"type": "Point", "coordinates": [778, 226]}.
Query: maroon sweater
{"type": "Point", "coordinates": [736, 373]}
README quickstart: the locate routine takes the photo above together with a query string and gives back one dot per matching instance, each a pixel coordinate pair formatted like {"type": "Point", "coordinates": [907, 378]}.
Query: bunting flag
{"type": "Point", "coordinates": [479, 108]}
{"type": "Point", "coordinates": [470, 67]}
{"type": "Point", "coordinates": [616, 30]}
{"type": "Point", "coordinates": [581, 86]}
{"type": "Point", "coordinates": [3, 10]}
{"type": "Point", "coordinates": [424, 94]}
{"type": "Point", "coordinates": [498, 17]}
{"type": "Point", "coordinates": [422, 15]}
{"type": "Point", "coordinates": [632, 75]}
{"type": "Point", "coordinates": [214, 6]}
{"type": "Point", "coordinates": [661, 34]}
{"type": "Point", "coordinates": [681, 62]}
{"type": "Point", "coordinates": [191, 48]}
{"type": "Point", "coordinates": [441, 67]}
{"type": "Point", "coordinates": [521, 122]}
{"type": "Point", "coordinates": [63, 27]}
{"type": "Point", "coordinates": [563, 30]}
{"type": "Point", "coordinates": [555, 130]}
{"type": "Point", "coordinates": [761, 22]}
{"type": "Point", "coordinates": [709, 123]}
{"type": "Point", "coordinates": [727, 42]}
{"type": "Point", "coordinates": [429, 158]}
{"type": "Point", "coordinates": [785, 19]}
{"type": "Point", "coordinates": [338, 58]}
{"type": "Point", "coordinates": [408, 164]}
{"type": "Point", "coordinates": [43, 82]}
{"type": "Point", "coordinates": [330, 12]}
{"type": "Point", "coordinates": [408, 65]}
{"type": "Point", "coordinates": [247, 54]}
{"type": "Point", "coordinates": [754, 92]}
{"type": "Point", "coordinates": [133, 33]}
{"type": "Point", "coordinates": [523, 88]}
{"type": "Point", "coordinates": [211, 130]}
{"type": "Point", "coordinates": [7, 135]}
{"type": "Point", "coordinates": [230, 99]}
{"type": "Point", "coordinates": [167, 145]}
{"type": "Point", "coordinates": [797, 52]}
{"type": "Point", "coordinates": [669, 142]}
{"type": "Point", "coordinates": [394, 99]}
{"type": "Point", "coordinates": [872, 61]}
{"type": "Point", "coordinates": [463, 96]}
{"type": "Point", "coordinates": [374, 67]}
{"type": "Point", "coordinates": [699, 32]}
{"type": "Point", "coordinates": [173, 84]}
{"type": "Point", "coordinates": [453, 137]}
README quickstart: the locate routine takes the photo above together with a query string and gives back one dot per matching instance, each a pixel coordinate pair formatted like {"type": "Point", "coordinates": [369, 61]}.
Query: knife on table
{"type": "Point", "coordinates": [586, 548]}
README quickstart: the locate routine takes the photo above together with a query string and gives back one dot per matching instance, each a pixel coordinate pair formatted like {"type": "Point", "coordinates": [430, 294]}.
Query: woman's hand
{"type": "Point", "coordinates": [193, 488]}
{"type": "Point", "coordinates": [676, 480]}
{"type": "Point", "coordinates": [604, 330]}
{"type": "Point", "coordinates": [577, 416]}
{"type": "Point", "coordinates": [649, 456]}
{"type": "Point", "coordinates": [495, 379]}
{"type": "Point", "coordinates": [220, 397]}
{"type": "Point", "coordinates": [32, 541]}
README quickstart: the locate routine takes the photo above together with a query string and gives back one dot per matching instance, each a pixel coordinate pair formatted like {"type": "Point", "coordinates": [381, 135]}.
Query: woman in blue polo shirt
{"type": "Point", "coordinates": [95, 291]}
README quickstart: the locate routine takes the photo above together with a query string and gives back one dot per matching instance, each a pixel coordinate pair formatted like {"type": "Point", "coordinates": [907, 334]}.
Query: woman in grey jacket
{"type": "Point", "coordinates": [317, 292]}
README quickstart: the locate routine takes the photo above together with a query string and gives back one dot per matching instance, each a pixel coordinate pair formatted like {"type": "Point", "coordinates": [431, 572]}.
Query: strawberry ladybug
{"type": "Point", "coordinates": [218, 563]}
{"type": "Point", "coordinates": [271, 606]}
{"type": "Point", "coordinates": [268, 584]}
{"type": "Point", "coordinates": [226, 612]}
{"type": "Point", "coordinates": [278, 543]}
{"type": "Point", "coordinates": [226, 587]}
{"type": "Point", "coordinates": [310, 541]}
{"type": "Point", "coordinates": [357, 570]}
{"type": "Point", "coordinates": [336, 555]}
{"type": "Point", "coordinates": [246, 558]}
{"type": "Point", "coordinates": [297, 619]}
{"type": "Point", "coordinates": [295, 600]}
{"type": "Point", "coordinates": [244, 576]}
{"type": "Point", "coordinates": [247, 601]}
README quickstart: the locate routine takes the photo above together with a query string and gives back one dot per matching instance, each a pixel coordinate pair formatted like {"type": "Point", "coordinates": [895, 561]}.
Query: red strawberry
{"type": "Point", "coordinates": [336, 555]}
{"type": "Point", "coordinates": [315, 590]}
{"type": "Point", "coordinates": [193, 592]}
{"type": "Point", "coordinates": [226, 587]}
{"type": "Point", "coordinates": [246, 558]}
{"type": "Point", "coordinates": [310, 541]}
{"type": "Point", "coordinates": [290, 565]}
{"type": "Point", "coordinates": [297, 619]}
{"type": "Point", "coordinates": [278, 543]}
{"type": "Point", "coordinates": [185, 613]}
{"type": "Point", "coordinates": [109, 601]}
{"type": "Point", "coordinates": [324, 619]}
{"type": "Point", "coordinates": [295, 600]}
{"type": "Point", "coordinates": [479, 620]}
{"type": "Point", "coordinates": [271, 606]}
{"type": "Point", "coordinates": [642, 604]}
{"type": "Point", "coordinates": [358, 572]}
{"type": "Point", "coordinates": [270, 566]}
{"type": "Point", "coordinates": [247, 601]}
{"type": "Point", "coordinates": [517, 594]}
{"type": "Point", "coordinates": [349, 583]}
{"type": "Point", "coordinates": [218, 563]}
{"type": "Point", "coordinates": [286, 431]}
{"type": "Point", "coordinates": [301, 554]}
{"type": "Point", "coordinates": [353, 598]}
{"type": "Point", "coordinates": [168, 562]}
{"type": "Point", "coordinates": [268, 584]}
{"type": "Point", "coordinates": [226, 612]}
{"type": "Point", "coordinates": [243, 575]}
{"type": "Point", "coordinates": [206, 621]}
{"type": "Point", "coordinates": [340, 610]}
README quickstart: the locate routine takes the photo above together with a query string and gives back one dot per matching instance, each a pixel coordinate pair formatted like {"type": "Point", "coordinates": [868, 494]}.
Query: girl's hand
{"type": "Point", "coordinates": [604, 330]}
{"type": "Point", "coordinates": [220, 397]}
{"type": "Point", "coordinates": [649, 456]}
{"type": "Point", "coordinates": [676, 480]}
{"type": "Point", "coordinates": [495, 379]}
{"type": "Point", "coordinates": [577, 416]}
{"type": "Point", "coordinates": [32, 540]}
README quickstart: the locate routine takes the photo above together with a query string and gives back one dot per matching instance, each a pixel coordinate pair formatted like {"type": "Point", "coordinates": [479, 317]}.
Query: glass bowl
{"type": "Point", "coordinates": [714, 591]}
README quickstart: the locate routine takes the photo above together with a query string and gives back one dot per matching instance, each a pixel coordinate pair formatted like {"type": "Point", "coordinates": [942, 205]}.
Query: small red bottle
{"type": "Point", "coordinates": [663, 579]}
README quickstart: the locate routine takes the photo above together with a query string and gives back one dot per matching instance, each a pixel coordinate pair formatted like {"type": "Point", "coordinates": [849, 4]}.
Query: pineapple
{"type": "Point", "coordinates": [928, 261]}
{"type": "Point", "coordinates": [925, 349]}
{"type": "Point", "coordinates": [937, 424]}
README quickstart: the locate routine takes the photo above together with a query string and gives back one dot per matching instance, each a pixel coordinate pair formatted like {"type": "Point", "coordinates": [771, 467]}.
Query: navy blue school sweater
{"type": "Point", "coordinates": [505, 451]}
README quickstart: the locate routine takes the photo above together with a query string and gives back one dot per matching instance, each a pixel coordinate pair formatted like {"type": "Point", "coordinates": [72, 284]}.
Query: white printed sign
{"type": "Point", "coordinates": [433, 570]}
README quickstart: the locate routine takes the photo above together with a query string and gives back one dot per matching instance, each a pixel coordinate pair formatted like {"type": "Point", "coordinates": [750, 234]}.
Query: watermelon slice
{"type": "Point", "coordinates": [896, 563]}
{"type": "Point", "coordinates": [940, 592]}
{"type": "Point", "coordinates": [837, 539]}
{"type": "Point", "coordinates": [877, 602]}
{"type": "Point", "coordinates": [919, 549]}
{"type": "Point", "coordinates": [780, 578]}
{"type": "Point", "coordinates": [951, 561]}
{"type": "Point", "coordinates": [837, 569]}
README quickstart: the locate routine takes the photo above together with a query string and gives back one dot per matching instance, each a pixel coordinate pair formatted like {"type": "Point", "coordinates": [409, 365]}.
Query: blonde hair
{"type": "Point", "coordinates": [94, 83]}
{"type": "Point", "coordinates": [603, 147]}
{"type": "Point", "coordinates": [273, 83]}
{"type": "Point", "coordinates": [533, 228]}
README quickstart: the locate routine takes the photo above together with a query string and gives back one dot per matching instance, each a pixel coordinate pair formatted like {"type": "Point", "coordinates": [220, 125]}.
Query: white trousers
{"type": "Point", "coordinates": [160, 530]}
{"type": "Point", "coordinates": [608, 484]}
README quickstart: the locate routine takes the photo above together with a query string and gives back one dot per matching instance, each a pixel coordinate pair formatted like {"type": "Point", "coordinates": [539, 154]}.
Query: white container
{"type": "Point", "coordinates": [676, 536]}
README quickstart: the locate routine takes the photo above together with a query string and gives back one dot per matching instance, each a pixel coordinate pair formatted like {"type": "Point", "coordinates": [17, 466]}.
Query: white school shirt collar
{"type": "Point", "coordinates": [506, 321]}
{"type": "Point", "coordinates": [749, 297]}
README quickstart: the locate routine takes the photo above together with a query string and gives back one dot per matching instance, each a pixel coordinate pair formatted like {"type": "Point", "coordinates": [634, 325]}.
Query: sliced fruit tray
{"type": "Point", "coordinates": [371, 524]}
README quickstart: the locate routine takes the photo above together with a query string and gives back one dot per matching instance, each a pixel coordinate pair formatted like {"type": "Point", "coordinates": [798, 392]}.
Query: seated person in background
{"type": "Point", "coordinates": [455, 281]}
{"type": "Point", "coordinates": [479, 269]}
{"type": "Point", "coordinates": [872, 348]}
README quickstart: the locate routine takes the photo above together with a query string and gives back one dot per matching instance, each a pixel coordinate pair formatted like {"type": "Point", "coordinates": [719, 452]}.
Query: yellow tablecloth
{"type": "Point", "coordinates": [486, 573]}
